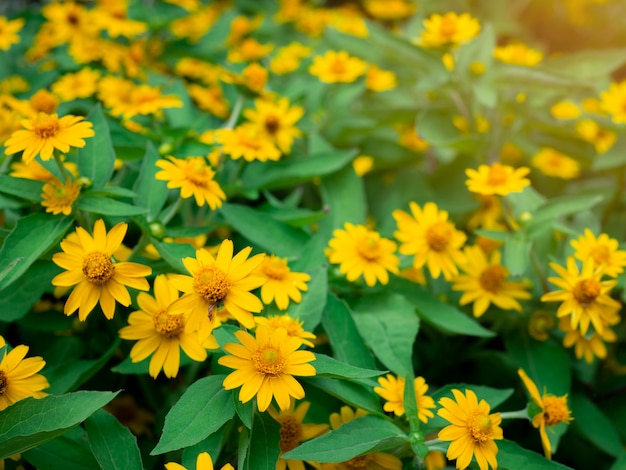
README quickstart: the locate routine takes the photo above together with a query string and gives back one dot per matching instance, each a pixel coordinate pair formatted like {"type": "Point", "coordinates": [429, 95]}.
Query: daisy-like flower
{"type": "Point", "coordinates": [587, 346]}
{"type": "Point", "coordinates": [43, 101]}
{"type": "Point", "coordinates": [286, 321]}
{"type": "Point", "coordinates": [265, 367]}
{"type": "Point", "coordinates": [18, 376]}
{"type": "Point", "coordinates": [601, 139]}
{"type": "Point", "coordinates": [293, 432]}
{"type": "Point", "coordinates": [392, 390]}
{"type": "Point", "coordinates": [554, 163]}
{"type": "Point", "coordinates": [281, 283]}
{"type": "Point", "coordinates": [81, 84]}
{"type": "Point", "coordinates": [518, 53]}
{"type": "Point", "coordinates": [585, 298]}
{"type": "Point", "coordinates": [224, 280]}
{"type": "Point", "coordinates": [46, 132]}
{"type": "Point", "coordinates": [449, 29]}
{"type": "Point", "coordinates": [249, 50]}
{"type": "Point", "coordinates": [248, 142]}
{"type": "Point", "coordinates": [497, 179]}
{"type": "Point", "coordinates": [337, 67]}
{"type": "Point", "coordinates": [276, 121]}
{"type": "Point", "coordinates": [548, 410]}
{"type": "Point", "coordinates": [484, 283]}
{"type": "Point", "coordinates": [210, 98]}
{"type": "Point", "coordinates": [431, 237]}
{"type": "Point", "coordinates": [8, 32]}
{"type": "Point", "coordinates": [363, 164]}
{"type": "Point", "coordinates": [488, 215]}
{"type": "Point", "coordinates": [435, 460]}
{"type": "Point", "coordinates": [603, 250]}
{"type": "Point", "coordinates": [565, 110]}
{"type": "Point", "coordinates": [89, 266]}
{"type": "Point", "coordinates": [613, 101]}
{"type": "Point", "coordinates": [194, 177]}
{"type": "Point", "coordinates": [203, 462]}
{"type": "Point", "coordinates": [473, 431]}
{"type": "Point", "coordinates": [389, 9]}
{"type": "Point", "coordinates": [363, 252]}
{"type": "Point", "coordinates": [58, 197]}
{"type": "Point", "coordinates": [380, 80]}
{"type": "Point", "coordinates": [160, 333]}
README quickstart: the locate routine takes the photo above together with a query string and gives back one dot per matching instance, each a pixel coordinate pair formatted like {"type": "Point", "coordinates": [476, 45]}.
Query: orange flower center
{"type": "Point", "coordinates": [44, 102]}
{"type": "Point", "coordinates": [338, 67]}
{"type": "Point", "coordinates": [46, 126]}
{"type": "Point", "coordinates": [275, 268]}
{"type": "Point", "coordinates": [479, 427]}
{"type": "Point", "coordinates": [272, 124]}
{"type": "Point", "coordinates": [555, 410]}
{"type": "Point", "coordinates": [169, 325]}
{"type": "Point", "coordinates": [197, 173]}
{"type": "Point", "coordinates": [492, 278]}
{"type": "Point", "coordinates": [359, 462]}
{"type": "Point", "coordinates": [601, 254]}
{"type": "Point", "coordinates": [4, 383]}
{"type": "Point", "coordinates": [497, 175]}
{"type": "Point", "coordinates": [586, 291]}
{"type": "Point", "coordinates": [290, 433]}
{"type": "Point", "coordinates": [98, 267]}
{"type": "Point", "coordinates": [448, 27]}
{"type": "Point", "coordinates": [211, 283]}
{"type": "Point", "coordinates": [268, 361]}
{"type": "Point", "coordinates": [368, 247]}
{"type": "Point", "coordinates": [438, 236]}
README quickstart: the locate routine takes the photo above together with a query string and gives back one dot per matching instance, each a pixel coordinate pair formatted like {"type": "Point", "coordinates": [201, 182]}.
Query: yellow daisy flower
{"type": "Point", "coordinates": [19, 378]}
{"type": "Point", "coordinates": [488, 215]}
{"type": "Point", "coordinates": [389, 10]}
{"type": "Point", "coordinates": [448, 29]}
{"type": "Point", "coordinates": [281, 283]}
{"type": "Point", "coordinates": [43, 101]}
{"type": "Point", "coordinates": [587, 346]}
{"type": "Point", "coordinates": [603, 250]}
{"type": "Point", "coordinates": [223, 280]}
{"type": "Point", "coordinates": [89, 266]}
{"type": "Point", "coordinates": [485, 283]}
{"type": "Point", "coordinates": [46, 132]}
{"type": "Point", "coordinates": [194, 177]}
{"type": "Point", "coordinates": [584, 297]}
{"type": "Point", "coordinates": [203, 462]}
{"type": "Point", "coordinates": [431, 237]}
{"type": "Point", "coordinates": [265, 367]}
{"type": "Point", "coordinates": [565, 110]}
{"type": "Point", "coordinates": [435, 460]}
{"type": "Point", "coordinates": [380, 80]}
{"type": "Point", "coordinates": [554, 163]}
{"type": "Point", "coordinates": [160, 333]}
{"type": "Point", "coordinates": [337, 67]}
{"type": "Point", "coordinates": [362, 252]}
{"type": "Point", "coordinates": [497, 179]}
{"type": "Point", "coordinates": [518, 53]}
{"type": "Point", "coordinates": [613, 101]}
{"type": "Point", "coordinates": [58, 197]}
{"type": "Point", "coordinates": [81, 84]}
{"type": "Point", "coordinates": [601, 139]}
{"type": "Point", "coordinates": [32, 170]}
{"type": "Point", "coordinates": [552, 410]}
{"type": "Point", "coordinates": [210, 98]}
{"type": "Point", "coordinates": [286, 321]}
{"type": "Point", "coordinates": [276, 121]}
{"type": "Point", "coordinates": [8, 32]}
{"type": "Point", "coordinates": [472, 430]}
{"type": "Point", "coordinates": [392, 390]}
{"type": "Point", "coordinates": [249, 50]}
{"type": "Point", "coordinates": [248, 142]}
{"type": "Point", "coordinates": [363, 164]}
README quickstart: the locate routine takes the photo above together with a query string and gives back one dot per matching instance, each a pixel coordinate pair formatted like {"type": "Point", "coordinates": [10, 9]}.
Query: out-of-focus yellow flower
{"type": "Point", "coordinates": [518, 54]}
{"type": "Point", "coordinates": [449, 29]}
{"type": "Point", "coordinates": [553, 163]}
{"type": "Point", "coordinates": [379, 80]}
{"type": "Point", "coordinates": [337, 67]}
{"type": "Point", "coordinates": [590, 131]}
{"type": "Point", "coordinates": [565, 110]}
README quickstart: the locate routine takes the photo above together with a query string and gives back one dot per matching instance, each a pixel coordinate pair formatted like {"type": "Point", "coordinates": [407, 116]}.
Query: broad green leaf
{"type": "Point", "coordinates": [343, 194]}
{"type": "Point", "coordinates": [106, 206]}
{"type": "Point", "coordinates": [67, 452]}
{"type": "Point", "coordinates": [363, 435]}
{"type": "Point", "coordinates": [173, 253]}
{"type": "Point", "coordinates": [32, 236]}
{"type": "Point", "coordinates": [112, 444]}
{"type": "Point", "coordinates": [96, 160]}
{"type": "Point", "coordinates": [533, 77]}
{"type": "Point", "coordinates": [594, 425]}
{"type": "Point", "coordinates": [184, 116]}
{"type": "Point", "coordinates": [212, 444]}
{"type": "Point", "coordinates": [620, 463]}
{"type": "Point", "coordinates": [309, 311]}
{"type": "Point", "coordinates": [355, 394]}
{"type": "Point", "coordinates": [114, 191]}
{"type": "Point", "coordinates": [245, 411]}
{"type": "Point", "coordinates": [31, 422]}
{"type": "Point", "coordinates": [326, 366]}
{"type": "Point", "coordinates": [556, 207]}
{"type": "Point", "coordinates": [513, 457]}
{"type": "Point", "coordinates": [201, 410]}
{"type": "Point", "coordinates": [264, 438]}
{"type": "Point", "coordinates": [21, 187]}
{"type": "Point", "coordinates": [388, 324]}
{"type": "Point", "coordinates": [589, 65]}
{"type": "Point", "coordinates": [151, 192]}
{"type": "Point", "coordinates": [441, 315]}
{"type": "Point", "coordinates": [437, 129]}
{"type": "Point", "coordinates": [16, 302]}
{"type": "Point", "coordinates": [516, 254]}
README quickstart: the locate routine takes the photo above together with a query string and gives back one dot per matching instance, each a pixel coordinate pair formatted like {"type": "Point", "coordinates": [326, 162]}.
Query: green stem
{"type": "Point", "coordinates": [234, 115]}
{"type": "Point", "coordinates": [519, 414]}
{"type": "Point", "coordinates": [172, 212]}
{"type": "Point", "coordinates": [61, 166]}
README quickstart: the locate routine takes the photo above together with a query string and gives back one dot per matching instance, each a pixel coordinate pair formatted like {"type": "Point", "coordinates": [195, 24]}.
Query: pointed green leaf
{"type": "Point", "coordinates": [513, 457]}
{"type": "Point", "coordinates": [106, 206]}
{"type": "Point", "coordinates": [309, 311]}
{"type": "Point", "coordinates": [173, 253]}
{"type": "Point", "coordinates": [264, 438]}
{"type": "Point", "coordinates": [21, 187]}
{"type": "Point", "coordinates": [96, 160]}
{"type": "Point", "coordinates": [112, 444]}
{"type": "Point", "coordinates": [67, 452]}
{"type": "Point", "coordinates": [343, 194]}
{"type": "Point", "coordinates": [356, 394]}
{"type": "Point", "coordinates": [151, 192]}
{"type": "Point", "coordinates": [326, 366]}
{"type": "Point", "coordinates": [594, 425]}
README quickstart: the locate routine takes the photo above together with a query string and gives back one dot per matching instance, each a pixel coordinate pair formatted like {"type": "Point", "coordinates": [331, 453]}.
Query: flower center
{"type": "Point", "coordinates": [272, 124]}
{"type": "Point", "coordinates": [98, 267]}
{"type": "Point", "coordinates": [438, 236]}
{"type": "Point", "coordinates": [479, 426]}
{"type": "Point", "coordinates": [555, 410]}
{"type": "Point", "coordinates": [586, 291]}
{"type": "Point", "coordinates": [4, 383]}
{"type": "Point", "coordinates": [497, 175]}
{"type": "Point", "coordinates": [359, 462]}
{"type": "Point", "coordinates": [197, 173]}
{"type": "Point", "coordinates": [492, 278]}
{"type": "Point", "coordinates": [290, 433]}
{"type": "Point", "coordinates": [338, 67]}
{"type": "Point", "coordinates": [211, 283]}
{"type": "Point", "coordinates": [46, 125]}
{"type": "Point", "coordinates": [448, 27]}
{"type": "Point", "coordinates": [601, 254]}
{"type": "Point", "coordinates": [268, 361]}
{"type": "Point", "coordinates": [368, 247]}
{"type": "Point", "coordinates": [275, 268]}
{"type": "Point", "coordinates": [169, 325]}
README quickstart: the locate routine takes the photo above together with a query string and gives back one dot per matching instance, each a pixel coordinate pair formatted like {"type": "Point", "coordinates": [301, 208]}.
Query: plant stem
{"type": "Point", "coordinates": [61, 166]}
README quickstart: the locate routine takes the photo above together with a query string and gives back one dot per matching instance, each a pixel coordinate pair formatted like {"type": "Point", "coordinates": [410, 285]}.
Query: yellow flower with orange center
{"type": "Point", "coordinates": [603, 250]}
{"type": "Point", "coordinates": [601, 139]}
{"type": "Point", "coordinates": [553, 163]}
{"type": "Point", "coordinates": [281, 283]}
{"type": "Point", "coordinates": [293, 327]}
{"type": "Point", "coordinates": [209, 99]}
{"type": "Point", "coordinates": [18, 376]}
{"type": "Point", "coordinates": [518, 53]}
{"type": "Point", "coordinates": [392, 390]}
{"type": "Point", "coordinates": [497, 179]}
{"type": "Point", "coordinates": [389, 9]}
{"type": "Point", "coordinates": [58, 197]}
{"type": "Point", "coordinates": [249, 50]}
{"type": "Point", "coordinates": [8, 32]}
{"type": "Point", "coordinates": [276, 120]}
{"type": "Point", "coordinates": [565, 110]}
{"type": "Point", "coordinates": [81, 84]}
{"type": "Point", "coordinates": [379, 80]}
{"type": "Point", "coordinates": [613, 101]}
{"type": "Point", "coordinates": [449, 29]}
{"type": "Point", "coordinates": [587, 346]}
{"type": "Point", "coordinates": [43, 102]}
{"type": "Point", "coordinates": [247, 142]}
{"type": "Point", "coordinates": [337, 67]}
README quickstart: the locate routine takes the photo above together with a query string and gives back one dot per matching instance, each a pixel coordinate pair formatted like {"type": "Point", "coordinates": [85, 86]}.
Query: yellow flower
{"type": "Point", "coordinates": [276, 121]}
{"type": "Point", "coordinates": [265, 367]}
{"type": "Point", "coordinates": [613, 101]}
{"type": "Point", "coordinates": [8, 32]}
{"type": "Point", "coordinates": [293, 327]}
{"type": "Point", "coordinates": [254, 77]}
{"type": "Point", "coordinates": [389, 9]}
{"type": "Point", "coordinates": [472, 430]}
{"type": "Point", "coordinates": [488, 215]}
{"type": "Point", "coordinates": [144, 100]}
{"type": "Point", "coordinates": [288, 58]}
{"type": "Point", "coordinates": [293, 432]}
{"type": "Point", "coordinates": [45, 132]}
{"type": "Point", "coordinates": [159, 333]}
{"type": "Point", "coordinates": [410, 139]}
{"type": "Point", "coordinates": [392, 390]}
{"type": "Point", "coordinates": [485, 283]}
{"type": "Point", "coordinates": [497, 179]}
{"type": "Point", "coordinates": [435, 460]}
{"type": "Point", "coordinates": [552, 410]}
{"type": "Point", "coordinates": [281, 283]}
{"type": "Point", "coordinates": [449, 29]}
{"type": "Point", "coordinates": [43, 101]}
{"type": "Point", "coordinates": [601, 139]}
{"type": "Point", "coordinates": [224, 280]}
{"type": "Point", "coordinates": [203, 462]}
{"type": "Point", "coordinates": [194, 177]}
{"type": "Point", "coordinates": [337, 67]}
{"type": "Point", "coordinates": [67, 21]}
{"type": "Point", "coordinates": [58, 197]}
{"type": "Point", "coordinates": [362, 164]}
{"type": "Point", "coordinates": [587, 346]}
{"type": "Point", "coordinates": [240, 27]}
{"type": "Point", "coordinates": [518, 54]}
{"type": "Point", "coordinates": [540, 324]}
{"type": "Point", "coordinates": [209, 99]}
{"type": "Point", "coordinates": [584, 297]}
{"type": "Point", "coordinates": [246, 141]}
{"type": "Point", "coordinates": [380, 80]}
{"type": "Point", "coordinates": [81, 84]}
{"type": "Point", "coordinates": [362, 252]}
{"type": "Point", "coordinates": [431, 237]}
{"type": "Point", "coordinates": [553, 163]}
{"type": "Point", "coordinates": [249, 50]}
{"type": "Point", "coordinates": [19, 378]}
{"type": "Point", "coordinates": [565, 110]}
{"type": "Point", "coordinates": [32, 170]}
{"type": "Point", "coordinates": [603, 250]}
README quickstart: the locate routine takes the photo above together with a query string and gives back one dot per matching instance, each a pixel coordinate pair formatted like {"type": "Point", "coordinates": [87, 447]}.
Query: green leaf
{"type": "Point", "coordinates": [245, 411]}
{"type": "Point", "coordinates": [388, 324]}
{"type": "Point", "coordinates": [309, 311]}
{"type": "Point", "coordinates": [343, 194]}
{"type": "Point", "coordinates": [151, 192]}
{"type": "Point", "coordinates": [114, 191]}
{"type": "Point", "coordinates": [31, 422]}
{"type": "Point", "coordinates": [264, 450]}
{"type": "Point", "coordinates": [21, 187]}
{"type": "Point", "coordinates": [620, 463]}
{"type": "Point", "coordinates": [201, 410]}
{"type": "Point", "coordinates": [96, 160]}
{"type": "Point", "coordinates": [355, 394]}
{"type": "Point", "coordinates": [173, 253]}
{"type": "Point", "coordinates": [67, 452]}
{"type": "Point", "coordinates": [594, 425]}
{"type": "Point", "coordinates": [327, 366]}
{"type": "Point", "coordinates": [106, 206]}
{"type": "Point", "coordinates": [513, 457]}
{"type": "Point", "coordinates": [545, 216]}
{"type": "Point", "coordinates": [32, 236]}
{"type": "Point", "coordinates": [112, 444]}
{"type": "Point", "coordinates": [516, 254]}
{"type": "Point", "coordinates": [588, 65]}
{"type": "Point", "coordinates": [358, 437]}
{"type": "Point", "coordinates": [264, 232]}
{"type": "Point", "coordinates": [441, 315]}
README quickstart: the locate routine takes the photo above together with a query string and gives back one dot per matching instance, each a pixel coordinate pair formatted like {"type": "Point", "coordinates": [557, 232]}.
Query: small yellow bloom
{"type": "Point", "coordinates": [362, 164]}
{"type": "Point", "coordinates": [44, 102]}
{"type": "Point", "coordinates": [380, 80]}
{"type": "Point", "coordinates": [613, 101]}
{"type": "Point", "coordinates": [203, 462]}
{"type": "Point", "coordinates": [601, 139]}
{"type": "Point", "coordinates": [540, 324]}
{"type": "Point", "coordinates": [81, 84]}
{"type": "Point", "coordinates": [389, 10]}
{"type": "Point", "coordinates": [587, 346]}
{"type": "Point", "coordinates": [392, 390]}
{"type": "Point", "coordinates": [249, 50]}
{"type": "Point", "coordinates": [8, 32]}
{"type": "Point", "coordinates": [497, 179]}
{"type": "Point", "coordinates": [448, 61]}
{"type": "Point", "coordinates": [276, 121]}
{"type": "Point", "coordinates": [565, 110]}
{"type": "Point", "coordinates": [435, 460]}
{"type": "Point", "coordinates": [488, 215]}
{"type": "Point", "coordinates": [449, 29]}
{"type": "Point", "coordinates": [553, 163]}
{"type": "Point", "coordinates": [58, 197]}
{"type": "Point", "coordinates": [18, 376]}
{"type": "Point", "coordinates": [286, 321]}
{"type": "Point", "coordinates": [249, 142]}
{"type": "Point", "coordinates": [281, 283]}
{"type": "Point", "coordinates": [518, 54]}
{"type": "Point", "coordinates": [337, 67]}
{"type": "Point", "coordinates": [603, 250]}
